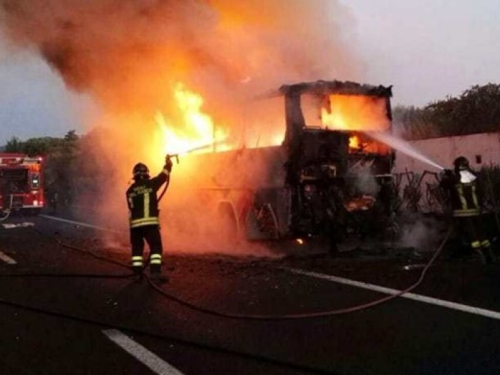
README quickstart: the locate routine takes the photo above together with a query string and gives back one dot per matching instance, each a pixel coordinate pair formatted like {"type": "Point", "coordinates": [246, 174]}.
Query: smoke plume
{"type": "Point", "coordinates": [131, 55]}
{"type": "Point", "coordinates": [127, 53]}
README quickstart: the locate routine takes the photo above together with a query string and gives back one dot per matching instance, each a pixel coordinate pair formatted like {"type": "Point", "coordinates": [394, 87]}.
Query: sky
{"type": "Point", "coordinates": [426, 49]}
{"type": "Point", "coordinates": [34, 101]}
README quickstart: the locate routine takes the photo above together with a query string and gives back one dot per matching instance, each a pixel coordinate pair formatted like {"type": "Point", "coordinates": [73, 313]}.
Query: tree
{"type": "Point", "coordinates": [44, 145]}
{"type": "Point", "coordinates": [71, 136]}
{"type": "Point", "coordinates": [14, 145]}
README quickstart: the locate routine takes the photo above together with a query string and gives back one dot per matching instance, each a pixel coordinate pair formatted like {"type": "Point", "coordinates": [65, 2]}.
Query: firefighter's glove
{"type": "Point", "coordinates": [446, 173]}
{"type": "Point", "coordinates": [168, 164]}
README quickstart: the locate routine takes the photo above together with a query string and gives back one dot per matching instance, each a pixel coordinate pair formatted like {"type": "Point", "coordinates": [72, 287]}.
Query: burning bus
{"type": "Point", "coordinates": [328, 178]}
{"type": "Point", "coordinates": [21, 183]}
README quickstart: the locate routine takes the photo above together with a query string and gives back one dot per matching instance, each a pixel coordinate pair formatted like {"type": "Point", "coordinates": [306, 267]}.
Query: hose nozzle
{"type": "Point", "coordinates": [172, 156]}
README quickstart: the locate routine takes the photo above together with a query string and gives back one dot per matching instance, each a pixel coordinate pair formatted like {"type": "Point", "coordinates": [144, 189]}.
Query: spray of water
{"type": "Point", "coordinates": [403, 146]}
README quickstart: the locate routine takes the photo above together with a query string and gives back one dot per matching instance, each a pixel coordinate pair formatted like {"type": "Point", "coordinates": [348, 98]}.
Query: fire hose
{"type": "Point", "coordinates": [8, 210]}
{"type": "Point", "coordinates": [244, 316]}
{"type": "Point", "coordinates": [202, 345]}
{"type": "Point", "coordinates": [257, 317]}
{"type": "Point", "coordinates": [310, 315]}
{"type": "Point", "coordinates": [169, 157]}
{"type": "Point", "coordinates": [239, 316]}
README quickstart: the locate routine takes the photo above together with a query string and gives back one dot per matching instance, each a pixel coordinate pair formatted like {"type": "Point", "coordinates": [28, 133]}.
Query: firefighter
{"type": "Point", "coordinates": [144, 218]}
{"type": "Point", "coordinates": [461, 184]}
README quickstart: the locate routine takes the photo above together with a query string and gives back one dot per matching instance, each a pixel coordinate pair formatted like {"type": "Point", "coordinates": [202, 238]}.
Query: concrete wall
{"type": "Point", "coordinates": [481, 150]}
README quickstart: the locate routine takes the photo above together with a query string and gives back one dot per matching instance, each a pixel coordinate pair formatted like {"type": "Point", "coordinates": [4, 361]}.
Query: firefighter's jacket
{"type": "Point", "coordinates": [142, 201]}
{"type": "Point", "coordinates": [464, 194]}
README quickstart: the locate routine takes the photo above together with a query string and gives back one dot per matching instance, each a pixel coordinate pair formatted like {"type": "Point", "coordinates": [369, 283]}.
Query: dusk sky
{"type": "Point", "coordinates": [426, 49]}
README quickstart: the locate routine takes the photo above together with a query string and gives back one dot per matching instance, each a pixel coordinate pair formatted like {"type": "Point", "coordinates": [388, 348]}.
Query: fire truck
{"type": "Point", "coordinates": [21, 183]}
{"type": "Point", "coordinates": [328, 178]}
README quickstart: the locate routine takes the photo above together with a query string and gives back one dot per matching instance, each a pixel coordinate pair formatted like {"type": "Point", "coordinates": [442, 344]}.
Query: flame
{"type": "Point", "coordinates": [362, 203]}
{"type": "Point", "coordinates": [355, 112]}
{"type": "Point", "coordinates": [196, 131]}
{"type": "Point", "coordinates": [359, 114]}
{"type": "Point", "coordinates": [354, 142]}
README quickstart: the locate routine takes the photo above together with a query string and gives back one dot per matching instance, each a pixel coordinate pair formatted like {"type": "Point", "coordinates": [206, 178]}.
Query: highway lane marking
{"type": "Point", "coordinates": [18, 225]}
{"type": "Point", "coordinates": [416, 297]}
{"type": "Point", "coordinates": [139, 352]}
{"type": "Point", "coordinates": [80, 223]}
{"type": "Point", "coordinates": [7, 259]}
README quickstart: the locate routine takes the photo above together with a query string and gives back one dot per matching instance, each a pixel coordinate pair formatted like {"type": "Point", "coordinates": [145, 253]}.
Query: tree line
{"type": "Point", "coordinates": [476, 110]}
{"type": "Point", "coordinates": [43, 145]}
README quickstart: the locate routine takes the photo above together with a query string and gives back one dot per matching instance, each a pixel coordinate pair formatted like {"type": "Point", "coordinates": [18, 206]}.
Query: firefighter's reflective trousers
{"type": "Point", "coordinates": [476, 245]}
{"type": "Point", "coordinates": [150, 234]}
{"type": "Point", "coordinates": [485, 251]}
{"type": "Point", "coordinates": [471, 229]}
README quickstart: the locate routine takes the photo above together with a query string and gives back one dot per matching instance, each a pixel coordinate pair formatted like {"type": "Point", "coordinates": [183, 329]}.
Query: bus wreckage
{"type": "Point", "coordinates": [328, 179]}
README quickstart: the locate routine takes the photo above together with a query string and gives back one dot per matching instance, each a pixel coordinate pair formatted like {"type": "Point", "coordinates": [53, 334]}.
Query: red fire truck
{"type": "Point", "coordinates": [21, 183]}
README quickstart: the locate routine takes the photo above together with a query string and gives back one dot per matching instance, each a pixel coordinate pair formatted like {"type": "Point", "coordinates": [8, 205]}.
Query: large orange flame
{"type": "Point", "coordinates": [359, 114]}
{"type": "Point", "coordinates": [355, 112]}
{"type": "Point", "coordinates": [196, 132]}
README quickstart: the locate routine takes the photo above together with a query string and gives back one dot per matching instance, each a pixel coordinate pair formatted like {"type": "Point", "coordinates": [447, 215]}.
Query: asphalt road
{"type": "Point", "coordinates": [68, 306]}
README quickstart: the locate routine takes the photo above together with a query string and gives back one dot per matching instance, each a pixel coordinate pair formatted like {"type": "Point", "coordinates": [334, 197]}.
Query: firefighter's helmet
{"type": "Point", "coordinates": [461, 163]}
{"type": "Point", "coordinates": [140, 172]}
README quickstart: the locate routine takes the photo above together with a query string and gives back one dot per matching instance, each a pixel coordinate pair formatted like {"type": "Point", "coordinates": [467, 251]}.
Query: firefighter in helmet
{"type": "Point", "coordinates": [144, 218]}
{"type": "Point", "coordinates": [461, 184]}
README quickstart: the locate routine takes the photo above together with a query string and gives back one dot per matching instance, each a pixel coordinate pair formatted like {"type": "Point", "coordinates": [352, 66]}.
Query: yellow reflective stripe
{"type": "Point", "coordinates": [146, 205]}
{"type": "Point", "coordinates": [155, 258]}
{"type": "Point", "coordinates": [145, 221]}
{"type": "Point", "coordinates": [476, 244]}
{"type": "Point", "coordinates": [474, 196]}
{"type": "Point", "coordinates": [463, 201]}
{"type": "Point", "coordinates": [485, 243]}
{"type": "Point", "coordinates": [137, 260]}
{"type": "Point", "coordinates": [463, 213]}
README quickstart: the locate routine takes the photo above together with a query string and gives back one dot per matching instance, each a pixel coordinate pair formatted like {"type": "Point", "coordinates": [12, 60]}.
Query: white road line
{"type": "Point", "coordinates": [80, 223]}
{"type": "Point", "coordinates": [151, 360]}
{"type": "Point", "coordinates": [412, 296]}
{"type": "Point", "coordinates": [7, 259]}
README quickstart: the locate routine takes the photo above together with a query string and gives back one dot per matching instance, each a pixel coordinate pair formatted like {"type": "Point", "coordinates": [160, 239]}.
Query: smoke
{"type": "Point", "coordinates": [130, 55]}
{"type": "Point", "coordinates": [364, 180]}
{"type": "Point", "coordinates": [420, 233]}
